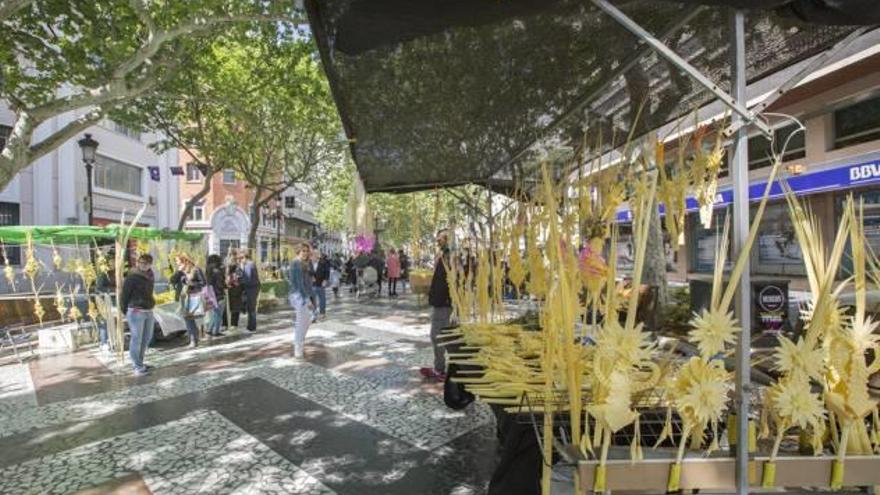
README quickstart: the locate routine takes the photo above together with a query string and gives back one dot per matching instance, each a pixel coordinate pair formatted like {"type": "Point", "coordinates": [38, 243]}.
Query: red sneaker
{"type": "Point", "coordinates": [433, 374]}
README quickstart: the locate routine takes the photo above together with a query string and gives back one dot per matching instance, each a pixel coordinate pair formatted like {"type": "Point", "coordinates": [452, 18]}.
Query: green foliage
{"type": "Point", "coordinates": [254, 100]}
{"type": "Point", "coordinates": [96, 57]}
{"type": "Point", "coordinates": [332, 192]}
{"type": "Point", "coordinates": [277, 288]}
{"type": "Point", "coordinates": [677, 313]}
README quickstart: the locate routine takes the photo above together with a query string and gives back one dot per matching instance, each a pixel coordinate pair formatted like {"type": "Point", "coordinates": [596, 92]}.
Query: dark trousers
{"type": "Point", "coordinates": [392, 286]}
{"type": "Point", "coordinates": [231, 320]}
{"type": "Point", "coordinates": [518, 472]}
{"type": "Point", "coordinates": [250, 305]}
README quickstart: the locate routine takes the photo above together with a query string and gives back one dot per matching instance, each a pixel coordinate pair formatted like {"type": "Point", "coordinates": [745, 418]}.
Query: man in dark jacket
{"type": "Point", "coordinates": [137, 305]}
{"type": "Point", "coordinates": [441, 307]}
{"type": "Point", "coordinates": [249, 280]}
{"type": "Point", "coordinates": [321, 276]}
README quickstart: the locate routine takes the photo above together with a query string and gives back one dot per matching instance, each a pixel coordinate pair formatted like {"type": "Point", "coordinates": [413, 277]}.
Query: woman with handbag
{"type": "Point", "coordinates": [217, 288]}
{"type": "Point", "coordinates": [192, 300]}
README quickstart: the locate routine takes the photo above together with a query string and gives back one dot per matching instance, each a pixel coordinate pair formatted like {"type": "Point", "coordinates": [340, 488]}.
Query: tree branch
{"type": "Point", "coordinates": [157, 39]}
{"type": "Point", "coordinates": [68, 131]}
{"type": "Point", "coordinates": [8, 8]}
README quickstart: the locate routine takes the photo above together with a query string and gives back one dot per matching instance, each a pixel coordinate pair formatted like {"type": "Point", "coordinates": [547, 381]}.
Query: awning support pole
{"type": "Point", "coordinates": [737, 105]}
{"type": "Point", "coordinates": [739, 166]}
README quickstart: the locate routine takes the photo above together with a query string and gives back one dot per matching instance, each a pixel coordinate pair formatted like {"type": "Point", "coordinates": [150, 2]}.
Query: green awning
{"type": "Point", "coordinates": [83, 234]}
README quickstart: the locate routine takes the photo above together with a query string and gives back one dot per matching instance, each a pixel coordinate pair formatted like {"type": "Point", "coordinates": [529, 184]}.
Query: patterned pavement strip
{"type": "Point", "coordinates": [16, 388]}
{"type": "Point", "coordinates": [202, 453]}
{"type": "Point", "coordinates": [402, 353]}
{"type": "Point", "coordinates": [417, 418]}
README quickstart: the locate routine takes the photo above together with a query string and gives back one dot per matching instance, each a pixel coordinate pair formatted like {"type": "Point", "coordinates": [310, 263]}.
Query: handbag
{"type": "Point", "coordinates": [209, 297]}
{"type": "Point", "coordinates": [193, 305]}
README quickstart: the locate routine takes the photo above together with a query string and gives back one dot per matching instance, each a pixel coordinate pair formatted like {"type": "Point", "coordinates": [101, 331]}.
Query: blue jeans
{"type": "Point", "coordinates": [192, 329]}
{"type": "Point", "coordinates": [140, 324]}
{"type": "Point", "coordinates": [216, 318]}
{"type": "Point", "coordinates": [321, 294]}
{"type": "Point", "coordinates": [102, 331]}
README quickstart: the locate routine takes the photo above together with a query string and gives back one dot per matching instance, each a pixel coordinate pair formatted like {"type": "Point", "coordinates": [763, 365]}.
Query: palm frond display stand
{"type": "Point", "coordinates": [592, 381]}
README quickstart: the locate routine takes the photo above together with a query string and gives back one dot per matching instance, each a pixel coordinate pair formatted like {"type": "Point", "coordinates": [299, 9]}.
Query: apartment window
{"type": "Point", "coordinates": [9, 215]}
{"type": "Point", "coordinates": [761, 149]}
{"type": "Point", "coordinates": [4, 135]}
{"type": "Point", "coordinates": [228, 176]}
{"type": "Point", "coordinates": [858, 123]}
{"type": "Point", "coordinates": [290, 202]}
{"type": "Point", "coordinates": [192, 173]}
{"type": "Point", "coordinates": [197, 214]}
{"type": "Point", "coordinates": [264, 251]}
{"type": "Point", "coordinates": [118, 176]}
{"type": "Point", "coordinates": [125, 131]}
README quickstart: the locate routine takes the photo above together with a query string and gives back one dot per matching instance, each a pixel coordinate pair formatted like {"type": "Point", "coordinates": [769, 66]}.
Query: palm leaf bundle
{"type": "Point", "coordinates": [699, 389]}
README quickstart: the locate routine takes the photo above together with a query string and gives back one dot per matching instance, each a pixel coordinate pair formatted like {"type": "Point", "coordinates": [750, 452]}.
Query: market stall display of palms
{"type": "Point", "coordinates": [63, 264]}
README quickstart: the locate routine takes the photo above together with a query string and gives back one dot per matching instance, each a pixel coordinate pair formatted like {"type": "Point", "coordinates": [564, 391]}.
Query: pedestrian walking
{"type": "Point", "coordinates": [233, 295]}
{"type": "Point", "coordinates": [249, 280]}
{"type": "Point", "coordinates": [335, 280]}
{"type": "Point", "coordinates": [441, 307]}
{"type": "Point", "coordinates": [105, 287]}
{"type": "Point", "coordinates": [404, 270]}
{"type": "Point", "coordinates": [137, 305]}
{"type": "Point", "coordinates": [392, 266]}
{"type": "Point", "coordinates": [192, 299]}
{"type": "Point", "coordinates": [300, 296]}
{"type": "Point", "coordinates": [351, 274]}
{"type": "Point", "coordinates": [320, 278]}
{"type": "Point", "coordinates": [217, 283]}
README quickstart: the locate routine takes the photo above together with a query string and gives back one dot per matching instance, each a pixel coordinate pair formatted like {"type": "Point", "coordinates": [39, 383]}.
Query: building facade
{"type": "Point", "coordinates": [127, 175]}
{"type": "Point", "coordinates": [836, 155]}
{"type": "Point", "coordinates": [223, 215]}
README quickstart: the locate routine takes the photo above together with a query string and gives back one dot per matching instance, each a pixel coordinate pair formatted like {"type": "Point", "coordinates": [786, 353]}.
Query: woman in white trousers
{"type": "Point", "coordinates": [300, 295]}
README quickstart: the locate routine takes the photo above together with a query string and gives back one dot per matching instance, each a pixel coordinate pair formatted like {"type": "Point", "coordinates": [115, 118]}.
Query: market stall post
{"type": "Point", "coordinates": [739, 167]}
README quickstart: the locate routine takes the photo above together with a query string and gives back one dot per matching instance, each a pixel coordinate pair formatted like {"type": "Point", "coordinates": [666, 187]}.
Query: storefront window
{"type": "Point", "coordinates": [705, 241]}
{"type": "Point", "coordinates": [870, 201]}
{"type": "Point", "coordinates": [858, 123]}
{"type": "Point", "coordinates": [9, 215]}
{"type": "Point", "coordinates": [626, 249]}
{"type": "Point", "coordinates": [778, 251]}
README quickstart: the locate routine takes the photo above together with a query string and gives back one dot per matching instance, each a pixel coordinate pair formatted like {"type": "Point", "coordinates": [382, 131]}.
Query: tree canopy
{"type": "Point", "coordinates": [91, 58]}
{"type": "Point", "coordinates": [254, 100]}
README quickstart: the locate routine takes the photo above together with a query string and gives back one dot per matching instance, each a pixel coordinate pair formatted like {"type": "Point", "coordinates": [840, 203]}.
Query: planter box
{"type": "Point", "coordinates": [63, 338]}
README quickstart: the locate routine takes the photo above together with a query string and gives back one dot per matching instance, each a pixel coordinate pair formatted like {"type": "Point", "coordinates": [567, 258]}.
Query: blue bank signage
{"type": "Point", "coordinates": [844, 177]}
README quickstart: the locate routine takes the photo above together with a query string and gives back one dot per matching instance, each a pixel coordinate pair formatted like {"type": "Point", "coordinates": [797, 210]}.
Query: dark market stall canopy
{"type": "Point", "coordinates": [436, 93]}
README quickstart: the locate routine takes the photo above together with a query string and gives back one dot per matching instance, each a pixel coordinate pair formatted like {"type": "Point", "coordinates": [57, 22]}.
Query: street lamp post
{"type": "Point", "coordinates": [89, 148]}
{"type": "Point", "coordinates": [278, 218]}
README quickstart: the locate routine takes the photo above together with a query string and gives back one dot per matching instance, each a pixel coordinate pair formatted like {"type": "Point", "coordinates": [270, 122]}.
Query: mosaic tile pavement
{"type": "Point", "coordinates": [214, 457]}
{"type": "Point", "coordinates": [354, 418]}
{"type": "Point", "coordinates": [16, 388]}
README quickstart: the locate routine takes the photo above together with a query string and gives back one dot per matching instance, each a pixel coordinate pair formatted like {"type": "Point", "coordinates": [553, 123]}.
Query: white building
{"type": "Point", "coordinates": [52, 190]}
